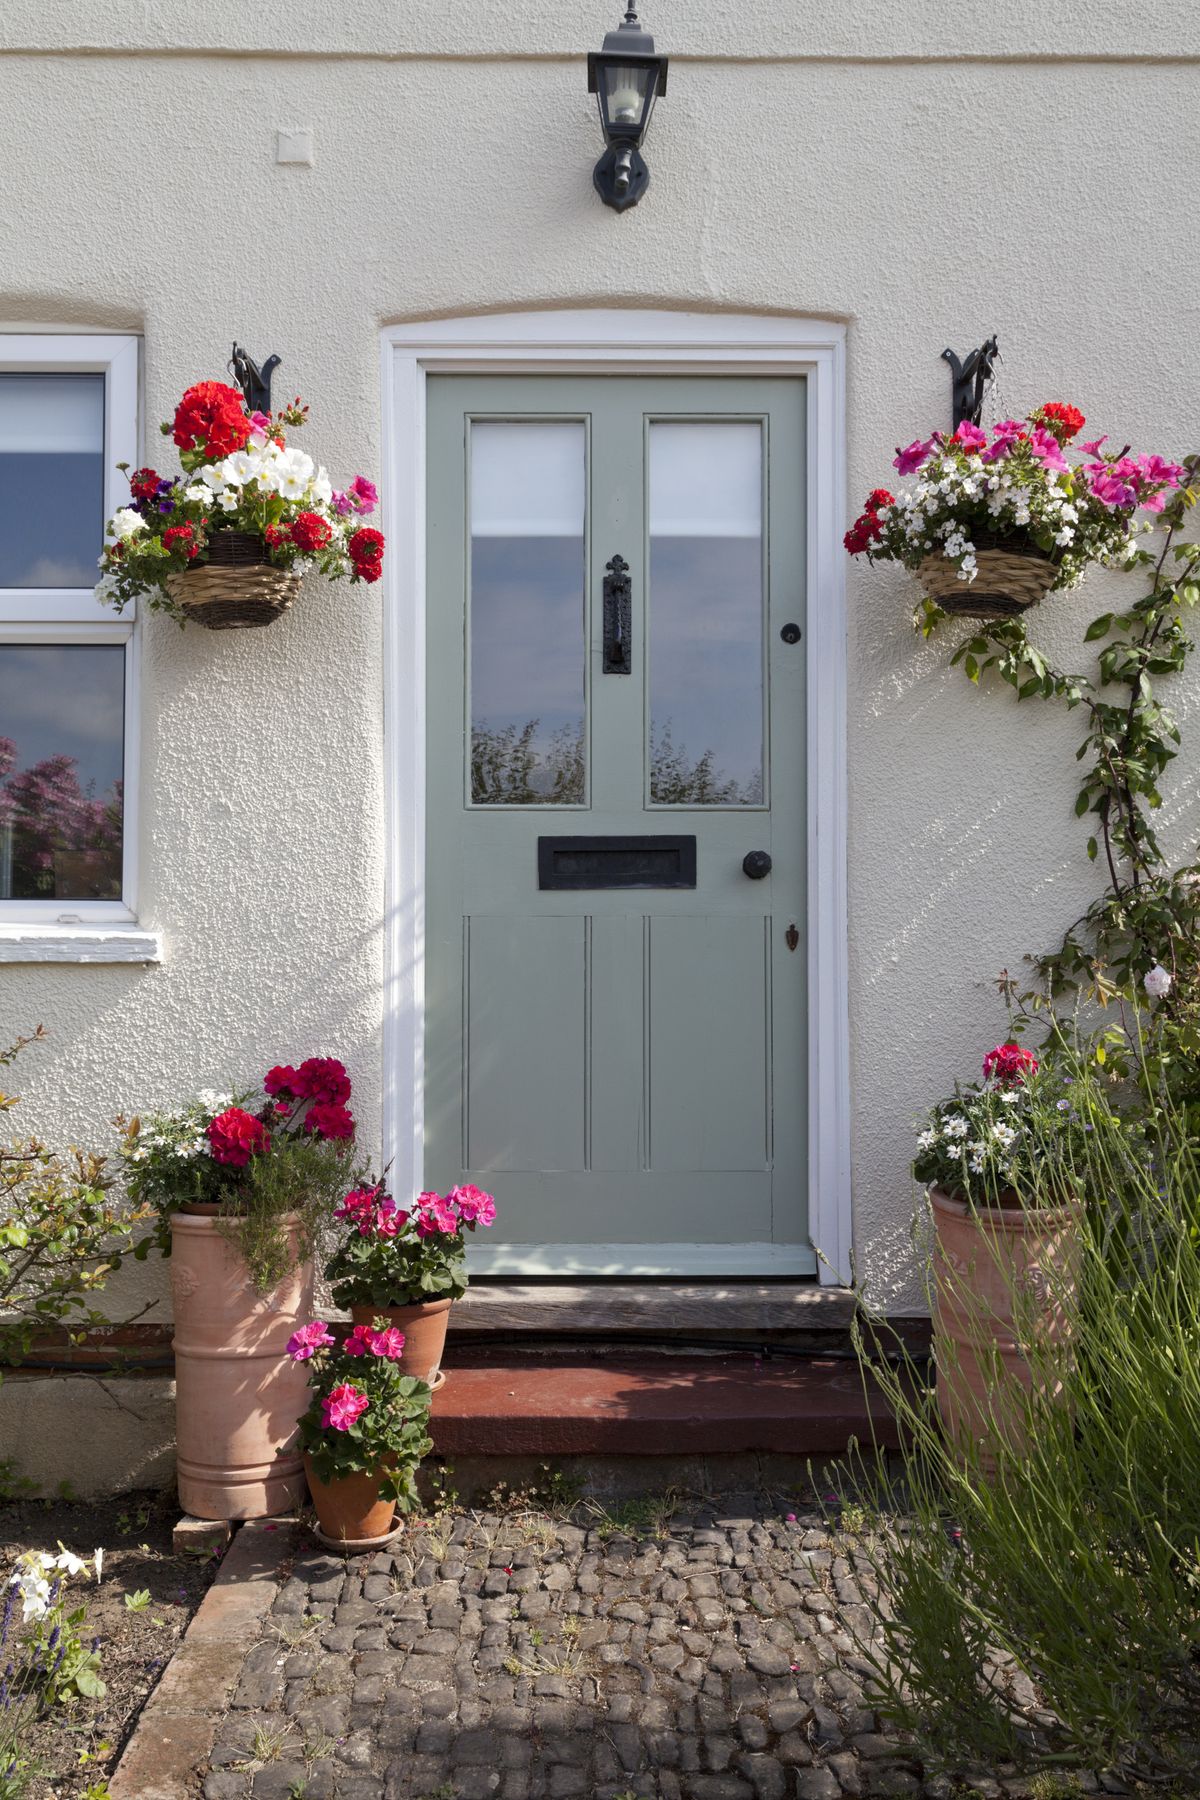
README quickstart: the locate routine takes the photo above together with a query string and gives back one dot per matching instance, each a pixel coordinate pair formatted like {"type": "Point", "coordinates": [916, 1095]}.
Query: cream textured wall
{"type": "Point", "coordinates": [928, 174]}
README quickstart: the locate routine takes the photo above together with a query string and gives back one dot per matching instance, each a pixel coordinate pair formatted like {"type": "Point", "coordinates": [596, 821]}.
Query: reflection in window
{"type": "Point", "coordinates": [528, 649]}
{"type": "Point", "coordinates": [51, 480]}
{"type": "Point", "coordinates": [706, 614]}
{"type": "Point", "coordinates": [62, 725]}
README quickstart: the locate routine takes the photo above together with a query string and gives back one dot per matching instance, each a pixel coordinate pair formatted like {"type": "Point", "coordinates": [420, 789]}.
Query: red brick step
{"type": "Point", "coordinates": [501, 1403]}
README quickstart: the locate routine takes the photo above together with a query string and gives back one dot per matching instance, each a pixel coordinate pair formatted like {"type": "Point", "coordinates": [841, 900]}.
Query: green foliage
{"type": "Point", "coordinates": [61, 1236]}
{"type": "Point", "coordinates": [509, 767]}
{"type": "Point", "coordinates": [1066, 1582]}
{"type": "Point", "coordinates": [404, 1270]}
{"type": "Point", "coordinates": [389, 1438]}
{"type": "Point", "coordinates": [675, 780]}
{"type": "Point", "coordinates": [282, 1204]}
{"type": "Point", "coordinates": [1148, 915]}
{"type": "Point", "coordinates": [995, 1137]}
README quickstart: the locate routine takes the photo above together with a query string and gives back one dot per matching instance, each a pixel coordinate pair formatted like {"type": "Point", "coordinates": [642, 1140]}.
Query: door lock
{"type": "Point", "coordinates": [756, 864]}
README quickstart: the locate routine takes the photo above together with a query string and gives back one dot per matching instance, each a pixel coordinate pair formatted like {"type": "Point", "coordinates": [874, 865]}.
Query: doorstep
{"type": "Point", "coordinates": [556, 1402]}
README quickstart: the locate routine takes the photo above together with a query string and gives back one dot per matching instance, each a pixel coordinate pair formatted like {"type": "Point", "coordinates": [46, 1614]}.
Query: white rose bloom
{"type": "Point", "coordinates": [1157, 983]}
{"type": "Point", "coordinates": [127, 523]}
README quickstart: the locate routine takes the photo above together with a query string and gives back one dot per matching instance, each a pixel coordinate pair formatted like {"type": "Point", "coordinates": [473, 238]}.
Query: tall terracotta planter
{"type": "Point", "coordinates": [350, 1513]}
{"type": "Point", "coordinates": [989, 1266]}
{"type": "Point", "coordinates": [424, 1329]}
{"type": "Point", "coordinates": [238, 1396]}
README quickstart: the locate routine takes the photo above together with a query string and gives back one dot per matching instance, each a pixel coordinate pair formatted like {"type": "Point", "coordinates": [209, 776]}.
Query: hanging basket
{"type": "Point", "coordinates": [237, 587]}
{"type": "Point", "coordinates": [1010, 579]}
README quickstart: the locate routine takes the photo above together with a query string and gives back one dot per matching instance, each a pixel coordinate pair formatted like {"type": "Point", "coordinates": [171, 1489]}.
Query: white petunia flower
{"type": "Point", "coordinates": [127, 523]}
{"type": "Point", "coordinates": [199, 494]}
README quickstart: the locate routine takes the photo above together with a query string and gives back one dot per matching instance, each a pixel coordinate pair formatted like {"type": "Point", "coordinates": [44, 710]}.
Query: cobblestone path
{"type": "Point", "coordinates": [704, 1658]}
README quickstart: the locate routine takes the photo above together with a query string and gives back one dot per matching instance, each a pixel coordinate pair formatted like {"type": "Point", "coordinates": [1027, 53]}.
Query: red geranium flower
{"type": "Point", "coordinates": [1009, 1062]}
{"type": "Point", "coordinates": [310, 531]}
{"type": "Point", "coordinates": [235, 1136]}
{"type": "Point", "coordinates": [212, 418]}
{"type": "Point", "coordinates": [282, 1079]}
{"type": "Point", "coordinates": [184, 536]}
{"type": "Point", "coordinates": [1065, 422]}
{"type": "Point", "coordinates": [276, 534]}
{"type": "Point", "coordinates": [144, 484]}
{"type": "Point", "coordinates": [322, 1078]}
{"type": "Point", "coordinates": [328, 1120]}
{"type": "Point", "coordinates": [365, 551]}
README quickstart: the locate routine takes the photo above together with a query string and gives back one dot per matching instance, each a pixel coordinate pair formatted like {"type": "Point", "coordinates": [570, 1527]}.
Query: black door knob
{"type": "Point", "coordinates": [756, 864]}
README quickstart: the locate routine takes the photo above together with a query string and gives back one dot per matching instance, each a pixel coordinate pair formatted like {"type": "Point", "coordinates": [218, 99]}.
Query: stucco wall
{"type": "Point", "coordinates": [928, 175]}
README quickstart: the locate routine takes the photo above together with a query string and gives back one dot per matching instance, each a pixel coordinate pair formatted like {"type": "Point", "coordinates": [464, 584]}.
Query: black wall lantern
{"type": "Point", "coordinates": [627, 78]}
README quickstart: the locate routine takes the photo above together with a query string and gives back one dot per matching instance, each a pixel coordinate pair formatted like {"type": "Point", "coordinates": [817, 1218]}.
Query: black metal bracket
{"type": "Point", "coordinates": [970, 381]}
{"type": "Point", "coordinates": [254, 382]}
{"type": "Point", "coordinates": [621, 176]}
{"type": "Point", "coordinates": [618, 608]}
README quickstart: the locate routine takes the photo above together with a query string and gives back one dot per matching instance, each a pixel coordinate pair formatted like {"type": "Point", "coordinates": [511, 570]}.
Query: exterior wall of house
{"type": "Point", "coordinates": [928, 174]}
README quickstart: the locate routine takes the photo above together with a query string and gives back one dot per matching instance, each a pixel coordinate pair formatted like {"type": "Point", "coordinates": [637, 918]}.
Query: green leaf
{"type": "Point", "coordinates": [1082, 802]}
{"type": "Point", "coordinates": [1093, 848]}
{"type": "Point", "coordinates": [1098, 628]}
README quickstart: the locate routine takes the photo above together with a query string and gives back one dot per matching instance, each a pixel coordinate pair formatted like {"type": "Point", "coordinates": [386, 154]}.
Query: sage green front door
{"type": "Point", "coordinates": [615, 970]}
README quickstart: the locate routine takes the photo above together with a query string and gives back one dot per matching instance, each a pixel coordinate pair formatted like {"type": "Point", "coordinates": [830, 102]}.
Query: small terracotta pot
{"type": "Point", "coordinates": [349, 1509]}
{"type": "Point", "coordinates": [238, 1396]}
{"type": "Point", "coordinates": [1003, 1275]}
{"type": "Point", "coordinates": [424, 1329]}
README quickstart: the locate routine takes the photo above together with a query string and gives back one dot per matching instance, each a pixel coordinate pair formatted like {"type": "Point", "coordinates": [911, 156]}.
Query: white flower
{"type": "Point", "coordinates": [99, 1560]}
{"type": "Point", "coordinates": [1157, 982]}
{"type": "Point", "coordinates": [1004, 1135]}
{"type": "Point", "coordinates": [212, 477]}
{"type": "Point", "coordinates": [1065, 536]}
{"type": "Point", "coordinates": [127, 523]}
{"type": "Point", "coordinates": [199, 494]}
{"type": "Point", "coordinates": [926, 1140]}
{"type": "Point", "coordinates": [229, 500]}
{"type": "Point", "coordinates": [322, 489]}
{"type": "Point", "coordinates": [67, 1559]}
{"type": "Point", "coordinates": [954, 1152]}
{"type": "Point", "coordinates": [1010, 1097]}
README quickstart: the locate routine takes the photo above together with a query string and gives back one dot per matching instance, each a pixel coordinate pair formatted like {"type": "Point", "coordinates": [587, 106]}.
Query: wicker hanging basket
{"type": "Point", "coordinates": [1010, 579]}
{"type": "Point", "coordinates": [237, 587]}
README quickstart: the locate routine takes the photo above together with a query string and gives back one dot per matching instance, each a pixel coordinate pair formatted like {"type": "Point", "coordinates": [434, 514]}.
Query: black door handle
{"type": "Point", "coordinates": [618, 658]}
{"type": "Point", "coordinates": [756, 864]}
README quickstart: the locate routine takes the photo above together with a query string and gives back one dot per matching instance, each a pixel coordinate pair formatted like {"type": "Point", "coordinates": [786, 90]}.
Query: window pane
{"type": "Point", "coordinates": [51, 480]}
{"type": "Point", "coordinates": [62, 728]}
{"type": "Point", "coordinates": [706, 614]}
{"type": "Point", "coordinates": [528, 651]}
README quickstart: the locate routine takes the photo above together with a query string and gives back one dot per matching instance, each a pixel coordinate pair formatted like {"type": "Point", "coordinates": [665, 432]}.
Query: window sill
{"type": "Point", "coordinates": [79, 944]}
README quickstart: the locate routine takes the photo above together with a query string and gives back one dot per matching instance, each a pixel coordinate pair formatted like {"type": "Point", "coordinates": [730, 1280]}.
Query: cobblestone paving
{"type": "Point", "coordinates": [522, 1656]}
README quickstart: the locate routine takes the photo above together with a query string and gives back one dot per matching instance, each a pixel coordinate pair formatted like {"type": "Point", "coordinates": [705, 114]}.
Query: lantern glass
{"type": "Point", "coordinates": [626, 96]}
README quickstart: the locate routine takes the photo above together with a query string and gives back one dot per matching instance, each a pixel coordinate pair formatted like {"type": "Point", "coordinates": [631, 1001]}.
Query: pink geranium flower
{"type": "Point", "coordinates": [360, 1341]}
{"type": "Point", "coordinates": [474, 1206]}
{"type": "Point", "coordinates": [910, 459]}
{"type": "Point", "coordinates": [302, 1344]}
{"type": "Point", "coordinates": [1046, 448]}
{"type": "Point", "coordinates": [389, 1343]}
{"type": "Point", "coordinates": [342, 1407]}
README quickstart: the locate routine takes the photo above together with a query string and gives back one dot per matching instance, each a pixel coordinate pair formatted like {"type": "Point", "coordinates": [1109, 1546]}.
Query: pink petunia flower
{"type": "Point", "coordinates": [308, 1339]}
{"type": "Point", "coordinates": [1046, 447]}
{"type": "Point", "coordinates": [969, 437]}
{"type": "Point", "coordinates": [363, 494]}
{"type": "Point", "coordinates": [910, 459]}
{"type": "Point", "coordinates": [342, 1407]}
{"type": "Point", "coordinates": [1093, 449]}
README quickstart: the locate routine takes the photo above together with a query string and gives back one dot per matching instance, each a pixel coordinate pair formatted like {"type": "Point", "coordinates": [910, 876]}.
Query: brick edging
{"type": "Point", "coordinates": [177, 1726]}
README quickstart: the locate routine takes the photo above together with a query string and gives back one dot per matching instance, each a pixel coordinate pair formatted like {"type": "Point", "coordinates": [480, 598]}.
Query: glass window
{"type": "Point", "coordinates": [51, 480]}
{"type": "Point", "coordinates": [62, 734]}
{"type": "Point", "coordinates": [528, 650]}
{"type": "Point", "coordinates": [706, 614]}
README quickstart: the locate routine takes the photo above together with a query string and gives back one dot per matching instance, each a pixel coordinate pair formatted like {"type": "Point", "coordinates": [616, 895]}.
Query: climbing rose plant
{"type": "Point", "coordinates": [239, 473]}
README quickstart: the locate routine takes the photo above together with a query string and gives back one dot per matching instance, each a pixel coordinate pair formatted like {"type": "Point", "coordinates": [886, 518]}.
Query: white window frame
{"type": "Point", "coordinates": [83, 930]}
{"type": "Point", "coordinates": [620, 341]}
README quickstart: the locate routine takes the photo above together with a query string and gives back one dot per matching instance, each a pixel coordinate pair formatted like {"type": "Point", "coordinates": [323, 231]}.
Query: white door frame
{"type": "Point", "coordinates": [598, 340]}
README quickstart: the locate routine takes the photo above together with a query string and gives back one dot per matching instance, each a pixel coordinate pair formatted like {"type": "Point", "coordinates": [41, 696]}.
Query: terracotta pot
{"type": "Point", "coordinates": [238, 1397]}
{"type": "Point", "coordinates": [424, 1329]}
{"type": "Point", "coordinates": [349, 1509]}
{"type": "Point", "coordinates": [989, 1265]}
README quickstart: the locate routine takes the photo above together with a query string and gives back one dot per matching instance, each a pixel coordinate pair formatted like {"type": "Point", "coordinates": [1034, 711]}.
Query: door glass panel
{"type": "Point", "coordinates": [528, 646]}
{"type": "Point", "coordinates": [51, 480]}
{"type": "Point", "coordinates": [706, 614]}
{"type": "Point", "coordinates": [62, 734]}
